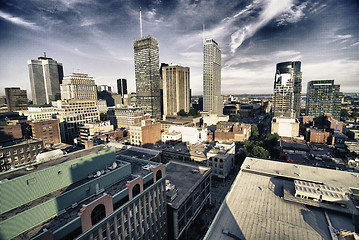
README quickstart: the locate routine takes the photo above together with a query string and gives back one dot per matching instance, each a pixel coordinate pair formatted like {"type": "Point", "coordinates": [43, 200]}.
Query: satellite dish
{"type": "Point", "coordinates": [98, 173]}
{"type": "Point", "coordinates": [114, 165]}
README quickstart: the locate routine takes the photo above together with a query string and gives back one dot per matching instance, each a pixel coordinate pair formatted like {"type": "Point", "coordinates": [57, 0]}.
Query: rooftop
{"type": "Point", "coordinates": [18, 142]}
{"type": "Point", "coordinates": [176, 172]}
{"type": "Point", "coordinates": [256, 208]}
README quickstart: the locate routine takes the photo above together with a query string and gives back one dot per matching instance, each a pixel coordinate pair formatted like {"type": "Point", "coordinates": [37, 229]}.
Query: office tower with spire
{"type": "Point", "coordinates": [323, 96]}
{"type": "Point", "coordinates": [45, 78]}
{"type": "Point", "coordinates": [176, 91]}
{"type": "Point", "coordinates": [212, 99]}
{"type": "Point", "coordinates": [147, 75]}
{"type": "Point", "coordinates": [287, 90]}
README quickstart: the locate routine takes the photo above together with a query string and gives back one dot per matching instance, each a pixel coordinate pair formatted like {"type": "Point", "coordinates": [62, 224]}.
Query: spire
{"type": "Point", "coordinates": [140, 22]}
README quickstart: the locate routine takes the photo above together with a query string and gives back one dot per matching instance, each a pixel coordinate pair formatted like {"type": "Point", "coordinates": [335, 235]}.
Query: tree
{"type": "Point", "coordinates": [103, 116]}
{"type": "Point", "coordinates": [254, 132]}
{"type": "Point", "coordinates": [259, 151]}
{"type": "Point", "coordinates": [344, 115]}
{"type": "Point", "coordinates": [193, 112]}
{"type": "Point", "coordinates": [182, 113]}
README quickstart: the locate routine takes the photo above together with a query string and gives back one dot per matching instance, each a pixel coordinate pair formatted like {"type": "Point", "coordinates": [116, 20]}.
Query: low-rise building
{"type": "Point", "coordinates": [213, 119]}
{"type": "Point", "coordinates": [318, 136]}
{"type": "Point", "coordinates": [46, 130]}
{"type": "Point", "coordinates": [180, 121]}
{"type": "Point", "coordinates": [18, 152]}
{"type": "Point", "coordinates": [40, 113]}
{"type": "Point", "coordinates": [221, 159]}
{"type": "Point", "coordinates": [125, 117]}
{"type": "Point", "coordinates": [185, 199]}
{"type": "Point", "coordinates": [96, 193]}
{"type": "Point", "coordinates": [191, 135]}
{"type": "Point", "coordinates": [171, 137]}
{"type": "Point", "coordinates": [10, 132]}
{"type": "Point", "coordinates": [232, 132]}
{"type": "Point", "coordinates": [145, 134]}
{"type": "Point", "coordinates": [285, 127]}
{"type": "Point", "coordinates": [90, 131]}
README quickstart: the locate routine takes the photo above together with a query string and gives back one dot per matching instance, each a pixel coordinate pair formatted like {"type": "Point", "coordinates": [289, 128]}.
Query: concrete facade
{"type": "Point", "coordinates": [176, 89]}
{"type": "Point", "coordinates": [221, 159]}
{"type": "Point", "coordinates": [147, 75]}
{"type": "Point", "coordinates": [46, 76]}
{"type": "Point", "coordinates": [191, 135]}
{"type": "Point", "coordinates": [40, 113]}
{"type": "Point", "coordinates": [78, 86]}
{"type": "Point", "coordinates": [285, 127]}
{"type": "Point", "coordinates": [16, 99]}
{"type": "Point", "coordinates": [124, 117]}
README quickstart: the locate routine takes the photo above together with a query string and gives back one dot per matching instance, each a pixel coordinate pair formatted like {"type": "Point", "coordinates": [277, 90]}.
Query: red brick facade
{"type": "Point", "coordinates": [48, 131]}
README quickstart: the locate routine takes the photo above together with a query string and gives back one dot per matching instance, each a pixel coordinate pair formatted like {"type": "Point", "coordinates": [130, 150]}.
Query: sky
{"type": "Point", "coordinates": [96, 37]}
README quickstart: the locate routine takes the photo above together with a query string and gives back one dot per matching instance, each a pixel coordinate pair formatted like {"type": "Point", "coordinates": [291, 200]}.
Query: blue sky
{"type": "Point", "coordinates": [96, 37]}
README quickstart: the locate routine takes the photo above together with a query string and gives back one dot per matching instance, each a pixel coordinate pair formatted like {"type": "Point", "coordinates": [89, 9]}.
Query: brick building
{"type": "Point", "coordinates": [47, 130]}
{"type": "Point", "coordinates": [318, 136]}
{"type": "Point", "coordinates": [232, 131]}
{"type": "Point", "coordinates": [145, 134]}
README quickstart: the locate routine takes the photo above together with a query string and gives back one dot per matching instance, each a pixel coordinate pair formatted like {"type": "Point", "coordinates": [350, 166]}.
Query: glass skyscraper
{"type": "Point", "coordinates": [147, 75]}
{"type": "Point", "coordinates": [212, 99]}
{"type": "Point", "coordinates": [287, 90]}
{"type": "Point", "coordinates": [323, 97]}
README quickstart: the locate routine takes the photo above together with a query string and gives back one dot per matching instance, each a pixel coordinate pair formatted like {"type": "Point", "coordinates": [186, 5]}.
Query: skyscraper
{"type": "Point", "coordinates": [122, 86]}
{"type": "Point", "coordinates": [45, 78]}
{"type": "Point", "coordinates": [176, 93]}
{"type": "Point", "coordinates": [78, 86]}
{"type": "Point", "coordinates": [287, 90]}
{"type": "Point", "coordinates": [147, 75]}
{"type": "Point", "coordinates": [212, 99]}
{"type": "Point", "coordinates": [16, 99]}
{"type": "Point", "coordinates": [323, 97]}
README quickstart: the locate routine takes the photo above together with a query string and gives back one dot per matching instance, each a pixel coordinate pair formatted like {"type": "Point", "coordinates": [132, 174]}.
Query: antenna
{"type": "Point", "coordinates": [140, 22]}
{"type": "Point", "coordinates": [203, 34]}
{"type": "Point", "coordinates": [44, 54]}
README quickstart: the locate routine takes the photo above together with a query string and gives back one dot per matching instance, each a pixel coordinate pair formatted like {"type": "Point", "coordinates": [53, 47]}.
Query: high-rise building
{"type": "Point", "coordinates": [212, 99]}
{"type": "Point", "coordinates": [122, 86]}
{"type": "Point", "coordinates": [16, 99]}
{"type": "Point", "coordinates": [78, 86]}
{"type": "Point", "coordinates": [323, 96]}
{"type": "Point", "coordinates": [287, 90]}
{"type": "Point", "coordinates": [147, 75]}
{"type": "Point", "coordinates": [176, 93]}
{"type": "Point", "coordinates": [45, 78]}
{"type": "Point", "coordinates": [101, 88]}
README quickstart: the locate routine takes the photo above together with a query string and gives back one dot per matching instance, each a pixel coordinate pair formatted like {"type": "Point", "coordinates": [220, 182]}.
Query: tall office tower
{"type": "Point", "coordinates": [323, 97]}
{"type": "Point", "coordinates": [147, 75]}
{"type": "Point", "coordinates": [176, 93]}
{"type": "Point", "coordinates": [122, 86]}
{"type": "Point", "coordinates": [287, 90]}
{"type": "Point", "coordinates": [16, 99]}
{"type": "Point", "coordinates": [212, 99]}
{"type": "Point", "coordinates": [45, 78]}
{"type": "Point", "coordinates": [78, 86]}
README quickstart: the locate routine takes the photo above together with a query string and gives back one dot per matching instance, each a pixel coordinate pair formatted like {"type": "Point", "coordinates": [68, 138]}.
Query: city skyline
{"type": "Point", "coordinates": [91, 37]}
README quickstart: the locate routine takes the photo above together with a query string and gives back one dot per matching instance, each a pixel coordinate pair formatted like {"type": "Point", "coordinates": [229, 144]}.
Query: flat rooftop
{"type": "Point", "coordinates": [137, 169]}
{"type": "Point", "coordinates": [18, 142]}
{"type": "Point", "coordinates": [198, 151]}
{"type": "Point", "coordinates": [176, 172]}
{"type": "Point", "coordinates": [54, 161]}
{"type": "Point", "coordinates": [255, 207]}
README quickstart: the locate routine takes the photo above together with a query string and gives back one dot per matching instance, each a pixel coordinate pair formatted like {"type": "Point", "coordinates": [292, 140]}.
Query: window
{"type": "Point", "coordinates": [98, 213]}
{"type": "Point", "coordinates": [136, 190]}
{"type": "Point", "coordinates": [158, 175]}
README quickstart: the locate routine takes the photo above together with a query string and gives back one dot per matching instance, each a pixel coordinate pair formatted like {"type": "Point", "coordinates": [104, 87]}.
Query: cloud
{"type": "Point", "coordinates": [271, 9]}
{"type": "Point", "coordinates": [344, 37]}
{"type": "Point", "coordinates": [294, 14]}
{"type": "Point", "coordinates": [19, 21]}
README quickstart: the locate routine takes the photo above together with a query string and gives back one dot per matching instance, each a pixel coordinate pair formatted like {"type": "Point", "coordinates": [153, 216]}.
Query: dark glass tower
{"type": "Point", "coordinates": [287, 90]}
{"type": "Point", "coordinates": [122, 86]}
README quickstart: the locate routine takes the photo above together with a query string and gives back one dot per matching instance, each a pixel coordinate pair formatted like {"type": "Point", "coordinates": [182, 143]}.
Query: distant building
{"type": "Point", "coordinates": [17, 152]}
{"type": "Point", "coordinates": [40, 113]}
{"type": "Point", "coordinates": [78, 86]}
{"type": "Point", "coordinates": [180, 121]}
{"type": "Point", "coordinates": [95, 193]}
{"type": "Point", "coordinates": [46, 130]}
{"type": "Point", "coordinates": [191, 135]}
{"type": "Point", "coordinates": [176, 89]}
{"type": "Point", "coordinates": [73, 114]}
{"type": "Point", "coordinates": [16, 99]}
{"type": "Point", "coordinates": [145, 133]}
{"type": "Point", "coordinates": [46, 76]}
{"type": "Point", "coordinates": [287, 90]}
{"type": "Point", "coordinates": [122, 86]}
{"type": "Point", "coordinates": [89, 131]}
{"type": "Point", "coordinates": [285, 127]}
{"type": "Point", "coordinates": [101, 88]}
{"type": "Point", "coordinates": [147, 75]}
{"type": "Point", "coordinates": [212, 99]}
{"type": "Point", "coordinates": [318, 136]}
{"type": "Point", "coordinates": [221, 159]}
{"type": "Point", "coordinates": [124, 117]}
{"type": "Point", "coordinates": [213, 119]}
{"type": "Point", "coordinates": [278, 200]}
{"type": "Point", "coordinates": [185, 199]}
{"type": "Point", "coordinates": [232, 132]}
{"type": "Point", "coordinates": [10, 131]}
{"type": "Point", "coordinates": [323, 97]}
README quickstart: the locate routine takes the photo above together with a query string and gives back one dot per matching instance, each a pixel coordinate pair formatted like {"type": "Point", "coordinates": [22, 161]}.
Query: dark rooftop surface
{"type": "Point", "coordinates": [18, 142]}
{"type": "Point", "coordinates": [185, 178]}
